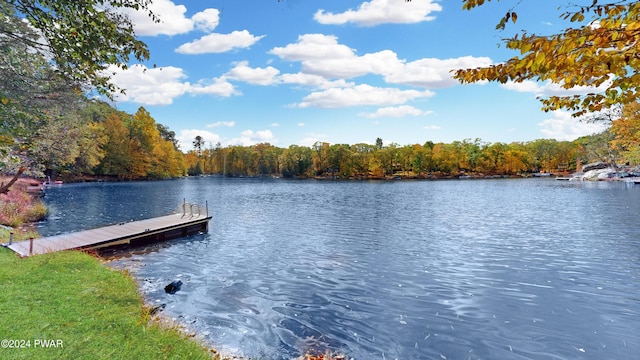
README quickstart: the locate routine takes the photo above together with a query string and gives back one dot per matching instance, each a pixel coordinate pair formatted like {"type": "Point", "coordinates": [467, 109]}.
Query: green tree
{"type": "Point", "coordinates": [296, 161]}
{"type": "Point", "coordinates": [198, 144]}
{"type": "Point", "coordinates": [82, 37]}
{"type": "Point", "coordinates": [421, 159]}
{"type": "Point", "coordinates": [168, 135]}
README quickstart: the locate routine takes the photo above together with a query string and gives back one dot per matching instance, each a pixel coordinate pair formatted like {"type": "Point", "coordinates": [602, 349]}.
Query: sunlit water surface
{"type": "Point", "coordinates": [482, 269]}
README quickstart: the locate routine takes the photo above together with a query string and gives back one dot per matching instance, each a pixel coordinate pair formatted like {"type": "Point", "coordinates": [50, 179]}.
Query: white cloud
{"type": "Point", "coordinates": [172, 19]}
{"type": "Point", "coordinates": [548, 88]}
{"type": "Point", "coordinates": [313, 46]}
{"type": "Point", "coordinates": [206, 20]}
{"type": "Point", "coordinates": [322, 55]}
{"type": "Point", "coordinates": [301, 124]}
{"type": "Point", "coordinates": [433, 73]}
{"type": "Point", "coordinates": [216, 86]}
{"type": "Point", "coordinates": [397, 111]}
{"type": "Point", "coordinates": [222, 123]}
{"type": "Point", "coordinates": [250, 137]}
{"type": "Point", "coordinates": [432, 127]}
{"type": "Point", "coordinates": [311, 139]}
{"type": "Point", "coordinates": [361, 95]}
{"type": "Point", "coordinates": [219, 43]}
{"type": "Point", "coordinates": [323, 58]}
{"type": "Point", "coordinates": [378, 12]}
{"type": "Point", "coordinates": [311, 80]}
{"type": "Point", "coordinates": [256, 76]}
{"type": "Point", "coordinates": [562, 126]}
{"type": "Point", "coordinates": [159, 86]}
{"type": "Point", "coordinates": [275, 124]}
{"type": "Point", "coordinates": [185, 138]}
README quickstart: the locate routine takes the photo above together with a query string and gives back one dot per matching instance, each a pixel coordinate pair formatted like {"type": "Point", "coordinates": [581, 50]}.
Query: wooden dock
{"type": "Point", "coordinates": [129, 233]}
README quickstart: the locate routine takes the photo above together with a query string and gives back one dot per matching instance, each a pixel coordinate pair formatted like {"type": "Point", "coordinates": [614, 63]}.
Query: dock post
{"type": "Point", "coordinates": [31, 245]}
{"type": "Point", "coordinates": [206, 205]}
{"type": "Point", "coordinates": [11, 238]}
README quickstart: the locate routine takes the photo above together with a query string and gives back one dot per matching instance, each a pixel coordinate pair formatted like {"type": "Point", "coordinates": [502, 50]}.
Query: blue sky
{"type": "Point", "coordinates": [289, 72]}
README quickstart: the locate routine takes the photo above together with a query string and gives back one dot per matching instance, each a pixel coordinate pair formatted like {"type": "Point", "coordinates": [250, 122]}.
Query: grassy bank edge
{"type": "Point", "coordinates": [92, 311]}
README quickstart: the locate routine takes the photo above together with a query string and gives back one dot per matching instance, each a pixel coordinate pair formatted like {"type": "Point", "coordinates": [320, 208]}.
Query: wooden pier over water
{"type": "Point", "coordinates": [129, 233]}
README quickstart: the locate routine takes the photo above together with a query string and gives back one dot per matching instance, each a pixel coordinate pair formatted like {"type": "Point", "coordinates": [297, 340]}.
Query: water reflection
{"type": "Point", "coordinates": [496, 269]}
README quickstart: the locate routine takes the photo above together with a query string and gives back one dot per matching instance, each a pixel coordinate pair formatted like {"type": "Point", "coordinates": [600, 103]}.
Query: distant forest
{"type": "Point", "coordinates": [98, 141]}
{"type": "Point", "coordinates": [418, 160]}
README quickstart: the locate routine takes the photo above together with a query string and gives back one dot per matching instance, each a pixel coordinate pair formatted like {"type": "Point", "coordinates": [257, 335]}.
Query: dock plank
{"type": "Point", "coordinates": [123, 233]}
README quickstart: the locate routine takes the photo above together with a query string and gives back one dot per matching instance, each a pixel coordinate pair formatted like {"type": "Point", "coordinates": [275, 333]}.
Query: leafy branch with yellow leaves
{"type": "Point", "coordinates": [600, 53]}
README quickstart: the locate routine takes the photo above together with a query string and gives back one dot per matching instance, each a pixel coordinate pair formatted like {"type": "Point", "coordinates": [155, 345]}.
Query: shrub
{"type": "Point", "coordinates": [18, 207]}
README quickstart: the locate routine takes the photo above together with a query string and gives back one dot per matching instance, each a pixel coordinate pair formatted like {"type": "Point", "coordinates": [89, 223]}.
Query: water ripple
{"type": "Point", "coordinates": [524, 269]}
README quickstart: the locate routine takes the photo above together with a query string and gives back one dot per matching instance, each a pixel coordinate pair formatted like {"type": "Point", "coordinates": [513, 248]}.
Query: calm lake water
{"type": "Point", "coordinates": [471, 269]}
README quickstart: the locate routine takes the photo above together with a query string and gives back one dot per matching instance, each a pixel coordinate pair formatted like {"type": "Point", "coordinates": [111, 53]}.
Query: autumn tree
{"type": "Point", "coordinates": [49, 48]}
{"type": "Point", "coordinates": [134, 148]}
{"type": "Point", "coordinates": [627, 133]}
{"type": "Point", "coordinates": [117, 161]}
{"type": "Point", "coordinates": [599, 51]}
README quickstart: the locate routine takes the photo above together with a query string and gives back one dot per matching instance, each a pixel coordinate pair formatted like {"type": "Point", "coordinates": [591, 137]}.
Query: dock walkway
{"type": "Point", "coordinates": [134, 233]}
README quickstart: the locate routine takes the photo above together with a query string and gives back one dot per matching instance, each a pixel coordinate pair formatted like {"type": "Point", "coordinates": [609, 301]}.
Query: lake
{"type": "Point", "coordinates": [459, 269]}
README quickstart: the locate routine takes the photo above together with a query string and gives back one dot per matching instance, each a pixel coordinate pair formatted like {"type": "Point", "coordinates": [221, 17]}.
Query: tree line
{"type": "Point", "coordinates": [418, 160]}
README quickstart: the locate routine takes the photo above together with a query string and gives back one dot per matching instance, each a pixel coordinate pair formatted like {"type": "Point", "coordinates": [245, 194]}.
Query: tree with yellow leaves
{"type": "Point", "coordinates": [627, 133]}
{"type": "Point", "coordinates": [600, 52]}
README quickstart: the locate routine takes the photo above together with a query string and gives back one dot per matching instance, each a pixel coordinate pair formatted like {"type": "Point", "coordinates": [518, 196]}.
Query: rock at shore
{"type": "Point", "coordinates": [595, 166]}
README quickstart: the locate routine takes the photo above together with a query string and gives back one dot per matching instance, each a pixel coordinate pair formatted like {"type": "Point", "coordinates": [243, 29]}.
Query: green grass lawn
{"type": "Point", "coordinates": [93, 312]}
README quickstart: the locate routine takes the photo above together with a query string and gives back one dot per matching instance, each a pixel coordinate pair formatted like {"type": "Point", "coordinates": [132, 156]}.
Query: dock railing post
{"type": "Point", "coordinates": [206, 205]}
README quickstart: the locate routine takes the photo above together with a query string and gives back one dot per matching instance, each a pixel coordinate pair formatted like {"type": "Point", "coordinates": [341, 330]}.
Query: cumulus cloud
{"type": "Point", "coordinates": [314, 81]}
{"type": "Point", "coordinates": [548, 88]}
{"type": "Point", "coordinates": [159, 86]}
{"type": "Point", "coordinates": [216, 86]}
{"type": "Point", "coordinates": [250, 137]}
{"type": "Point", "coordinates": [311, 139]}
{"type": "Point", "coordinates": [562, 126]}
{"type": "Point", "coordinates": [173, 20]}
{"type": "Point", "coordinates": [323, 56]}
{"type": "Point", "coordinates": [397, 111]}
{"type": "Point", "coordinates": [376, 12]}
{"type": "Point", "coordinates": [206, 20]}
{"type": "Point", "coordinates": [256, 76]}
{"type": "Point", "coordinates": [219, 43]}
{"type": "Point", "coordinates": [313, 46]}
{"type": "Point", "coordinates": [222, 123]}
{"type": "Point", "coordinates": [433, 73]}
{"type": "Point", "coordinates": [185, 138]}
{"type": "Point", "coordinates": [361, 95]}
